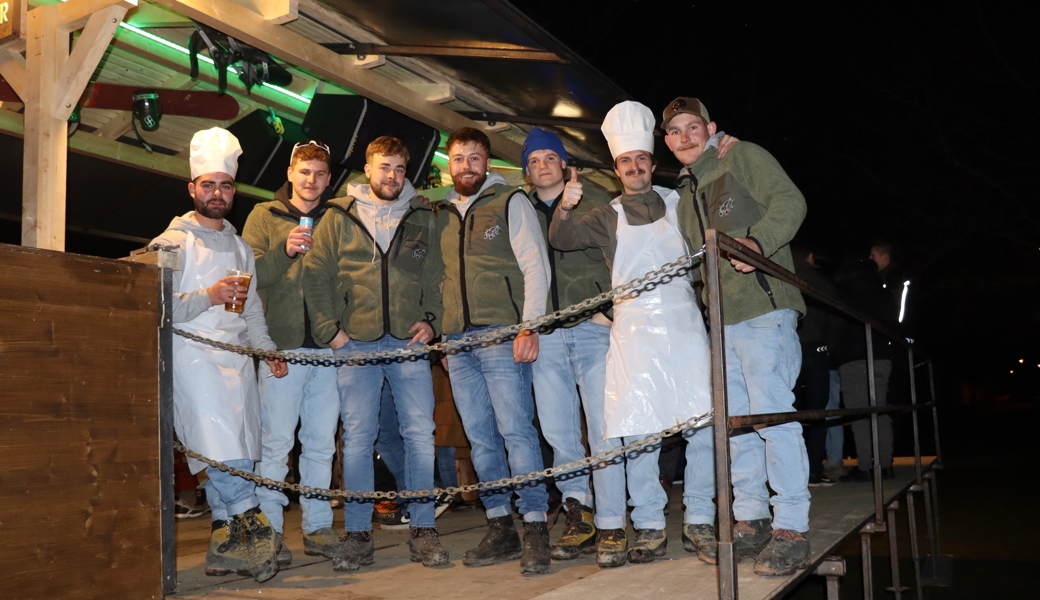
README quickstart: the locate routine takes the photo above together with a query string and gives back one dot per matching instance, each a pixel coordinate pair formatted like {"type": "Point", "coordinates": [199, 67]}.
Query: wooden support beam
{"type": "Point", "coordinates": [46, 135]}
{"type": "Point", "coordinates": [369, 61]}
{"type": "Point", "coordinates": [73, 15]}
{"type": "Point", "coordinates": [438, 93]}
{"type": "Point", "coordinates": [12, 67]}
{"type": "Point", "coordinates": [275, 12]}
{"type": "Point", "coordinates": [84, 58]}
{"type": "Point", "coordinates": [244, 25]}
{"type": "Point", "coordinates": [11, 123]}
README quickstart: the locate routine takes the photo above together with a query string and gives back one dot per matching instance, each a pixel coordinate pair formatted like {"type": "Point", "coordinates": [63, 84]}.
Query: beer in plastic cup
{"type": "Point", "coordinates": [242, 278]}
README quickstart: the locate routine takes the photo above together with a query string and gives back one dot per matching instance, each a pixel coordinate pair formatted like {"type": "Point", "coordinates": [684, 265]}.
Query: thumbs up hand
{"type": "Point", "coordinates": [571, 192]}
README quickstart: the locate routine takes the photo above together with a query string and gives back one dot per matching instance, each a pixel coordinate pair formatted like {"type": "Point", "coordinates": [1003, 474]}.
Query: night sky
{"type": "Point", "coordinates": [919, 124]}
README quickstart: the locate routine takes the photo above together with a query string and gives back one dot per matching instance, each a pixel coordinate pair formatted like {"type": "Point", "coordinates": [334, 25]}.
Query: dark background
{"type": "Point", "coordinates": [919, 124]}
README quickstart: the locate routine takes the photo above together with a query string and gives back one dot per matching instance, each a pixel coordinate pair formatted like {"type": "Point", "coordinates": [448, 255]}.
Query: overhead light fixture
{"type": "Point", "coordinates": [147, 109]}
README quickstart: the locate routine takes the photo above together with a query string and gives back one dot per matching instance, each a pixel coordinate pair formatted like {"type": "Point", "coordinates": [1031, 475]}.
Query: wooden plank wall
{"type": "Point", "coordinates": [79, 427]}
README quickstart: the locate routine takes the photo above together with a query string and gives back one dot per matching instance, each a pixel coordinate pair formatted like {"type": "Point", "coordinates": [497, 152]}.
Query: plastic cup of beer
{"type": "Point", "coordinates": [242, 278]}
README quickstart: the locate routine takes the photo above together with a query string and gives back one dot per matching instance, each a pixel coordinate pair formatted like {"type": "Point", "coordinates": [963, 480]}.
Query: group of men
{"type": "Point", "coordinates": [380, 269]}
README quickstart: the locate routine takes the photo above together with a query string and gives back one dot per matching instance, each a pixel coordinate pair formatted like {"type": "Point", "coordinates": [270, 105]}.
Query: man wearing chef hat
{"type": "Point", "coordinates": [658, 362]}
{"type": "Point", "coordinates": [216, 403]}
{"type": "Point", "coordinates": [748, 196]}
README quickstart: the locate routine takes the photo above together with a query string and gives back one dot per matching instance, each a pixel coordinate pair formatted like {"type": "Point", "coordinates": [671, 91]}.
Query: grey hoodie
{"type": "Point", "coordinates": [379, 217]}
{"type": "Point", "coordinates": [192, 301]}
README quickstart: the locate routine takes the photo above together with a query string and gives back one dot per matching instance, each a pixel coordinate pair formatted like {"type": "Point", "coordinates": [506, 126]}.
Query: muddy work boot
{"type": "Point", "coordinates": [425, 547]}
{"type": "Point", "coordinates": [648, 545]}
{"type": "Point", "coordinates": [750, 538]}
{"type": "Point", "coordinates": [536, 557]}
{"type": "Point", "coordinates": [257, 537]}
{"type": "Point", "coordinates": [580, 535]}
{"type": "Point", "coordinates": [219, 561]}
{"type": "Point", "coordinates": [611, 548]}
{"type": "Point", "coordinates": [701, 539]}
{"type": "Point", "coordinates": [357, 550]}
{"type": "Point", "coordinates": [786, 552]}
{"type": "Point", "coordinates": [500, 543]}
{"type": "Point", "coordinates": [284, 555]}
{"type": "Point", "coordinates": [323, 542]}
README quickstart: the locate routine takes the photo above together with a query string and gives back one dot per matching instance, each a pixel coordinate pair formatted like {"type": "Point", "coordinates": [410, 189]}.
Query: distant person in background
{"type": "Point", "coordinates": [860, 287]}
{"type": "Point", "coordinates": [813, 387]}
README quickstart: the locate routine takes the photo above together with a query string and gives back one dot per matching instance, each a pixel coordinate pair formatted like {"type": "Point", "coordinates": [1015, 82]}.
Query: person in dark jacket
{"type": "Point", "coordinates": [860, 287]}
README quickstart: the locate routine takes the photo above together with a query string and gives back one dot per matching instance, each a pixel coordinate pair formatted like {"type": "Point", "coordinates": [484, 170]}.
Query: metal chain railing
{"type": "Point", "coordinates": [665, 273]}
{"type": "Point", "coordinates": [588, 461]}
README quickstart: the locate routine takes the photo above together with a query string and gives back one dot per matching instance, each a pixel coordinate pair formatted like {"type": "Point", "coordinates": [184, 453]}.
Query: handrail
{"type": "Point", "coordinates": [718, 246]}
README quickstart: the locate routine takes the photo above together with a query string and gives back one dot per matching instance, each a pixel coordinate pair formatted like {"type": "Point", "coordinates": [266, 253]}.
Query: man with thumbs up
{"type": "Point", "coordinates": [572, 359]}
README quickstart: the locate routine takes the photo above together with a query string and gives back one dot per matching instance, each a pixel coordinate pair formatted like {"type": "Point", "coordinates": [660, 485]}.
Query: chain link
{"type": "Point", "coordinates": [665, 274]}
{"type": "Point", "coordinates": [496, 335]}
{"type": "Point", "coordinates": [588, 461]}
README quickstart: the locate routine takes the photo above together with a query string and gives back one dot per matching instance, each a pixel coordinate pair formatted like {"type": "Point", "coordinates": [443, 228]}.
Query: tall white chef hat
{"type": "Point", "coordinates": [629, 126]}
{"type": "Point", "coordinates": [214, 150]}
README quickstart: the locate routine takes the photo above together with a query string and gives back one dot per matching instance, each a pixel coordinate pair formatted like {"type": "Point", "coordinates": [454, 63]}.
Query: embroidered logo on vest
{"type": "Point", "coordinates": [492, 232]}
{"type": "Point", "coordinates": [418, 253]}
{"type": "Point", "coordinates": [726, 207]}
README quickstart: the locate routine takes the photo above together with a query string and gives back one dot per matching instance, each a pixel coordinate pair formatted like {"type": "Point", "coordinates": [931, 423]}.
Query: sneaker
{"type": "Point", "coordinates": [750, 538]}
{"type": "Point", "coordinates": [284, 555]}
{"type": "Point", "coordinates": [857, 476]}
{"type": "Point", "coordinates": [357, 550]}
{"type": "Point", "coordinates": [183, 510]}
{"type": "Point", "coordinates": [820, 481]}
{"type": "Point", "coordinates": [648, 545]}
{"type": "Point", "coordinates": [700, 538]}
{"type": "Point", "coordinates": [425, 546]}
{"type": "Point", "coordinates": [501, 543]}
{"type": "Point", "coordinates": [611, 548]}
{"type": "Point", "coordinates": [536, 556]}
{"type": "Point", "coordinates": [389, 515]}
{"type": "Point", "coordinates": [323, 542]}
{"type": "Point", "coordinates": [442, 504]}
{"type": "Point", "coordinates": [580, 535]}
{"type": "Point", "coordinates": [787, 552]}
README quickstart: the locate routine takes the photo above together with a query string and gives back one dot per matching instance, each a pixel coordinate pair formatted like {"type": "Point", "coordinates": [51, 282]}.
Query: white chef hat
{"type": "Point", "coordinates": [629, 126]}
{"type": "Point", "coordinates": [214, 150]}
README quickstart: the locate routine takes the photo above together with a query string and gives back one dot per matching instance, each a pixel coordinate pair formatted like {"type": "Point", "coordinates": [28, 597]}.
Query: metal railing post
{"type": "Point", "coordinates": [724, 495]}
{"type": "Point", "coordinates": [893, 551]}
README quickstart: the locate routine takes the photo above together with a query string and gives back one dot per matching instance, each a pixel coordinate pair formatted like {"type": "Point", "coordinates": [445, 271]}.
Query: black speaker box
{"type": "Point", "coordinates": [266, 155]}
{"type": "Point", "coordinates": [348, 124]}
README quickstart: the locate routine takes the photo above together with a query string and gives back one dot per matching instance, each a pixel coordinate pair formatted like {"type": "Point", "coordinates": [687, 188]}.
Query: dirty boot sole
{"type": "Point", "coordinates": [487, 561]}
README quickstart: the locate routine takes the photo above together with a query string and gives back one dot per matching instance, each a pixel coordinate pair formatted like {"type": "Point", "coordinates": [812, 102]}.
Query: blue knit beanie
{"type": "Point", "coordinates": [540, 139]}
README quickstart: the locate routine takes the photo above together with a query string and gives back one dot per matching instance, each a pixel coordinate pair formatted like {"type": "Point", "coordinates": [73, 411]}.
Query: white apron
{"type": "Point", "coordinates": [216, 405]}
{"type": "Point", "coordinates": [658, 366]}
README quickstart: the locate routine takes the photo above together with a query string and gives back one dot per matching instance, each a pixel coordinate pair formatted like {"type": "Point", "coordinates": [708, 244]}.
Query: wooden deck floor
{"type": "Point", "coordinates": [836, 513]}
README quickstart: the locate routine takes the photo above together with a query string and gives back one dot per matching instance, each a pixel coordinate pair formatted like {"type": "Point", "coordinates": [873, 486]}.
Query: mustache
{"type": "Point", "coordinates": [636, 171]}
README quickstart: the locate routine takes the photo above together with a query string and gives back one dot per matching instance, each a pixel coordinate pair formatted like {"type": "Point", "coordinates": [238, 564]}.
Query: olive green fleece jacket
{"type": "Point", "coordinates": [355, 286]}
{"type": "Point", "coordinates": [746, 194]}
{"type": "Point", "coordinates": [279, 278]}
{"type": "Point", "coordinates": [577, 274]}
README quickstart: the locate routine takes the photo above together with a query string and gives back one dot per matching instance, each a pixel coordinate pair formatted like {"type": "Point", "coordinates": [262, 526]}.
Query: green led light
{"type": "Point", "coordinates": [208, 60]}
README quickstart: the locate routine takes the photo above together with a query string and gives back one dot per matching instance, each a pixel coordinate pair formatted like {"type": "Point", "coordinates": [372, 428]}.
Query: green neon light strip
{"type": "Point", "coordinates": [206, 59]}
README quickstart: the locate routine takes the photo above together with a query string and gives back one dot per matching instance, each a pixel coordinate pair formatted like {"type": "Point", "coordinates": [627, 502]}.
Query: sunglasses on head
{"type": "Point", "coordinates": [321, 145]}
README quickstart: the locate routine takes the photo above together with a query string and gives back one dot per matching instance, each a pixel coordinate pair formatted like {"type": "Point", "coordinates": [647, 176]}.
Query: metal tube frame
{"type": "Point", "coordinates": [715, 244]}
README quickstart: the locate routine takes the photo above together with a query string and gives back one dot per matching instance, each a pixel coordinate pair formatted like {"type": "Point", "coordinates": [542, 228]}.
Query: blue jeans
{"type": "Point", "coordinates": [227, 494]}
{"type": "Point", "coordinates": [763, 358]}
{"type": "Point", "coordinates": [571, 361]}
{"type": "Point", "coordinates": [389, 443]}
{"type": "Point", "coordinates": [835, 433]}
{"type": "Point", "coordinates": [645, 493]}
{"type": "Point", "coordinates": [306, 395]}
{"type": "Point", "coordinates": [493, 395]}
{"type": "Point", "coordinates": [445, 458]}
{"type": "Point", "coordinates": [699, 477]}
{"type": "Point", "coordinates": [360, 388]}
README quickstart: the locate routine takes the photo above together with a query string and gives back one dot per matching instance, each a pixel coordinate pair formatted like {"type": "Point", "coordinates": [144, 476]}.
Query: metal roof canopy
{"type": "Point", "coordinates": [445, 58]}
